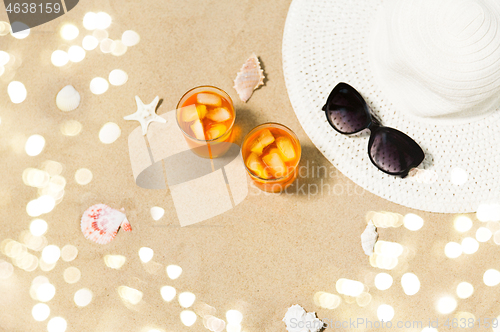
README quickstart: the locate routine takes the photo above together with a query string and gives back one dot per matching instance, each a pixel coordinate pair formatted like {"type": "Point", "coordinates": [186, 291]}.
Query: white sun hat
{"type": "Point", "coordinates": [429, 68]}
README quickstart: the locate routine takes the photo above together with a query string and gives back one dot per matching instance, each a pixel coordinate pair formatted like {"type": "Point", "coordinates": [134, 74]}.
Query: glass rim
{"type": "Point", "coordinates": [281, 126]}
{"type": "Point", "coordinates": [204, 140]}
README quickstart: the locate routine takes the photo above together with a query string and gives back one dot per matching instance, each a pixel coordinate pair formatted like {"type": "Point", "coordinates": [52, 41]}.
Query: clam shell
{"type": "Point", "coordinates": [100, 223]}
{"type": "Point", "coordinates": [68, 99]}
{"type": "Point", "coordinates": [249, 78]}
{"type": "Point", "coordinates": [369, 238]}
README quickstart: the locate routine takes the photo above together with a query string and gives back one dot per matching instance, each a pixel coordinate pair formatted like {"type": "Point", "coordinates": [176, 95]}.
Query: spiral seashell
{"type": "Point", "coordinates": [100, 223]}
{"type": "Point", "coordinates": [68, 99]}
{"type": "Point", "coordinates": [249, 78]}
{"type": "Point", "coordinates": [369, 238]}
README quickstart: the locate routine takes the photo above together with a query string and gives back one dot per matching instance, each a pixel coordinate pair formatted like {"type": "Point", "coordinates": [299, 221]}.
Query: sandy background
{"type": "Point", "coordinates": [269, 252]}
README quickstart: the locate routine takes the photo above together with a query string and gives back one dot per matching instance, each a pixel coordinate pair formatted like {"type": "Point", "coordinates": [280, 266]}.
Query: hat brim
{"type": "Point", "coordinates": [325, 43]}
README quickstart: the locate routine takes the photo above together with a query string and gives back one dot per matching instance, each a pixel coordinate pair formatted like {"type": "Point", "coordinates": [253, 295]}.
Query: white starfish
{"type": "Point", "coordinates": [146, 114]}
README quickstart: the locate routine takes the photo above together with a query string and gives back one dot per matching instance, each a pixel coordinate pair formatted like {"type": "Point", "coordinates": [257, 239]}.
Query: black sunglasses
{"type": "Point", "coordinates": [392, 151]}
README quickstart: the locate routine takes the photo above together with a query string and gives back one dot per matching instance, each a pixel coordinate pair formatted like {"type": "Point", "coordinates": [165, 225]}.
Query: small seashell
{"type": "Point", "coordinates": [298, 320]}
{"type": "Point", "coordinates": [100, 223]}
{"type": "Point", "coordinates": [250, 77]}
{"type": "Point", "coordinates": [68, 99]}
{"type": "Point", "coordinates": [369, 238]}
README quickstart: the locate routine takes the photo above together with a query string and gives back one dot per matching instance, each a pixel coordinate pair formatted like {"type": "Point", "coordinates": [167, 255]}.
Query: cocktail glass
{"type": "Point", "coordinates": [271, 153]}
{"type": "Point", "coordinates": [206, 116]}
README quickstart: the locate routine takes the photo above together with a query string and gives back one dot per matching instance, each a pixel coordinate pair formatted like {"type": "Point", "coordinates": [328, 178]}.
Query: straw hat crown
{"type": "Point", "coordinates": [438, 59]}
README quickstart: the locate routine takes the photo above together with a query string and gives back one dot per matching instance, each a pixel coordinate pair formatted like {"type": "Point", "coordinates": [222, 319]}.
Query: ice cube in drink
{"type": "Point", "coordinates": [271, 153]}
{"type": "Point", "coordinates": [206, 116]}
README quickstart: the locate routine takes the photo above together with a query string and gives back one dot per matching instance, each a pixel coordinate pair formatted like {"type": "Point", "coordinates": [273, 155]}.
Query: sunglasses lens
{"type": "Point", "coordinates": [394, 152]}
{"type": "Point", "coordinates": [346, 110]}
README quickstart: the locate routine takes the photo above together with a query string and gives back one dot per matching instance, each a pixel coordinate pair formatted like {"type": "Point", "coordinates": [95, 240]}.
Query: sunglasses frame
{"type": "Point", "coordinates": [373, 124]}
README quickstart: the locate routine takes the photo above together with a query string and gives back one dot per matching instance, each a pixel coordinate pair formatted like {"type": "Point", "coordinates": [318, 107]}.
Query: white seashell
{"type": "Point", "coordinates": [298, 320]}
{"type": "Point", "coordinates": [314, 323]}
{"type": "Point", "coordinates": [369, 238]}
{"type": "Point", "coordinates": [68, 99]}
{"type": "Point", "coordinates": [250, 77]}
{"type": "Point", "coordinates": [100, 223]}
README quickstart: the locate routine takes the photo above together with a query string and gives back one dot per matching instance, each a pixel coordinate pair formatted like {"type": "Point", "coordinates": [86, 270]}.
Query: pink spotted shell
{"type": "Point", "coordinates": [100, 223]}
{"type": "Point", "coordinates": [250, 77]}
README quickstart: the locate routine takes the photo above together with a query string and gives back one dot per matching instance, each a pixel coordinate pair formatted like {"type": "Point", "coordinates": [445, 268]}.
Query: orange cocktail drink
{"type": "Point", "coordinates": [206, 117]}
{"type": "Point", "coordinates": [271, 153]}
